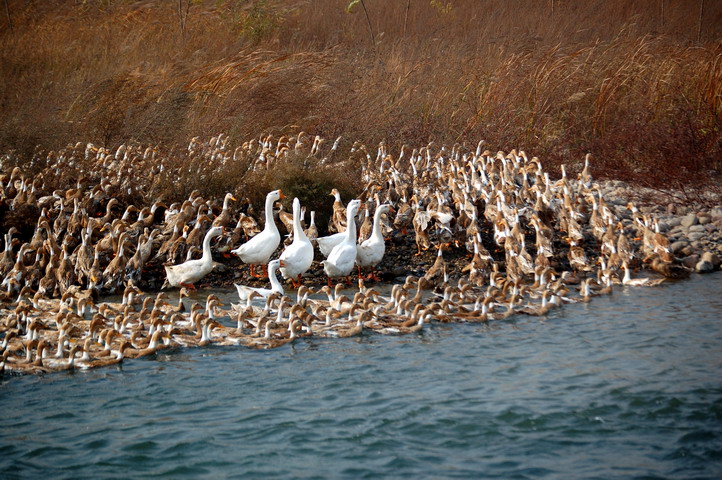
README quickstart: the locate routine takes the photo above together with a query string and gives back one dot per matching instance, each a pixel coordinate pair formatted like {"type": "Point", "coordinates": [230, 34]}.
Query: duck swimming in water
{"type": "Point", "coordinates": [276, 287]}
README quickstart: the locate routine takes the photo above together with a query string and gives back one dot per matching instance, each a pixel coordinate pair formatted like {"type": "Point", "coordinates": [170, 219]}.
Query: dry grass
{"type": "Point", "coordinates": [606, 77]}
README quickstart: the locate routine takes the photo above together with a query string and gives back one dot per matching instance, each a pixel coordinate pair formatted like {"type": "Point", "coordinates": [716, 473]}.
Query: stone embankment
{"type": "Point", "coordinates": [694, 228]}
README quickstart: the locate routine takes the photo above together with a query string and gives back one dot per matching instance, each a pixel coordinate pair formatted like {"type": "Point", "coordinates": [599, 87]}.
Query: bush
{"type": "Point", "coordinates": [310, 181]}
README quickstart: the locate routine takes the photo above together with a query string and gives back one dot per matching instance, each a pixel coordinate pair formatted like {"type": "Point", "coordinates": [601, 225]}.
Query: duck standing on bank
{"type": "Point", "coordinates": [258, 250]}
{"type": "Point", "coordinates": [187, 273]}
{"type": "Point", "coordinates": [342, 258]}
{"type": "Point", "coordinates": [298, 256]}
{"type": "Point", "coordinates": [336, 224]}
{"type": "Point", "coordinates": [326, 244]}
{"type": "Point", "coordinates": [371, 251]}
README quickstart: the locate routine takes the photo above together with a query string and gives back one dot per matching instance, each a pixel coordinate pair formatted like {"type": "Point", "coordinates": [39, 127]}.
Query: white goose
{"type": "Point", "coordinates": [298, 256]}
{"type": "Point", "coordinates": [371, 251]}
{"type": "Point", "coordinates": [245, 291]}
{"type": "Point", "coordinates": [342, 258]}
{"type": "Point", "coordinates": [327, 243]}
{"type": "Point", "coordinates": [258, 250]}
{"type": "Point", "coordinates": [185, 274]}
{"type": "Point", "coordinates": [638, 282]}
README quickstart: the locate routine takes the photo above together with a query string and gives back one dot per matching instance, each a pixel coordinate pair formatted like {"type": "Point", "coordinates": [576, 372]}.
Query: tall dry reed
{"type": "Point", "coordinates": [613, 77]}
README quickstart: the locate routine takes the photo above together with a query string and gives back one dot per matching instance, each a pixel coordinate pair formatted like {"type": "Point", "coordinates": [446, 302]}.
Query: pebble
{"type": "Point", "coordinates": [673, 222]}
{"type": "Point", "coordinates": [686, 251]}
{"type": "Point", "coordinates": [690, 261]}
{"type": "Point", "coordinates": [677, 247]}
{"type": "Point", "coordinates": [689, 220]}
{"type": "Point", "coordinates": [694, 236]}
{"type": "Point", "coordinates": [677, 230]}
{"type": "Point", "coordinates": [704, 267]}
{"type": "Point", "coordinates": [712, 258]}
{"type": "Point", "coordinates": [398, 271]}
{"type": "Point", "coordinates": [697, 228]}
{"type": "Point", "coordinates": [703, 220]}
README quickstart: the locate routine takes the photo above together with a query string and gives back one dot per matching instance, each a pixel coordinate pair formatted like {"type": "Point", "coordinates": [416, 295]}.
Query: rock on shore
{"type": "Point", "coordinates": [694, 228]}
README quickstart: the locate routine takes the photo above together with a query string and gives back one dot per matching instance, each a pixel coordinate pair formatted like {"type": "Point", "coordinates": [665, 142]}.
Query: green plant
{"type": "Point", "coordinates": [259, 22]}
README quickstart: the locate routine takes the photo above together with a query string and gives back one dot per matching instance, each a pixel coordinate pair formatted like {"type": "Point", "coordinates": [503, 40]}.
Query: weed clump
{"type": "Point", "coordinates": [310, 181]}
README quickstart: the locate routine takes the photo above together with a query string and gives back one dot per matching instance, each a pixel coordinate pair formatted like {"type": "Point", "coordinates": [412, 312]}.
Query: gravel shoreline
{"type": "Point", "coordinates": [694, 231]}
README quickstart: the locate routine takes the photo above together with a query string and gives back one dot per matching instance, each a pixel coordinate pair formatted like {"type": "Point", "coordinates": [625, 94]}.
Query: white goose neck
{"type": "Point", "coordinates": [298, 234]}
{"type": "Point", "coordinates": [275, 284]}
{"type": "Point", "coordinates": [376, 232]}
{"type": "Point", "coordinates": [270, 222]}
{"type": "Point", "coordinates": [207, 247]}
{"type": "Point", "coordinates": [205, 334]}
{"type": "Point", "coordinates": [351, 225]}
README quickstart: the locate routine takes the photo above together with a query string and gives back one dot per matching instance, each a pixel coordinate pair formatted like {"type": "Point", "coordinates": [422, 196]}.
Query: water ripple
{"type": "Point", "coordinates": [625, 387]}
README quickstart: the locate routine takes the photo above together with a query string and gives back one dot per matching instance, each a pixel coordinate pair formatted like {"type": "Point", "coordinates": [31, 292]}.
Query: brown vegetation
{"type": "Point", "coordinates": [619, 79]}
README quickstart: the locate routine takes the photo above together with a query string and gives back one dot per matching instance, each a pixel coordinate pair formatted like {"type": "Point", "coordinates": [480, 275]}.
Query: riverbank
{"type": "Point", "coordinates": [472, 236]}
{"type": "Point", "coordinates": [113, 198]}
{"type": "Point", "coordinates": [692, 224]}
{"type": "Point", "coordinates": [693, 228]}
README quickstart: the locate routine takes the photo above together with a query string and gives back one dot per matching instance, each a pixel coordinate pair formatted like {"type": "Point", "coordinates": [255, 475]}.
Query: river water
{"type": "Point", "coordinates": [627, 386]}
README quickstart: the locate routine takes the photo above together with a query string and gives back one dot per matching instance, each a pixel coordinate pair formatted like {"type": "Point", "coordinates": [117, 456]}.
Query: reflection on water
{"type": "Point", "coordinates": [626, 386]}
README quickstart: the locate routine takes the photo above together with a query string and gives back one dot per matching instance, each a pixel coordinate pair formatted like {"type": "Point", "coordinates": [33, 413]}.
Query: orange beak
{"type": "Point", "coordinates": [280, 194]}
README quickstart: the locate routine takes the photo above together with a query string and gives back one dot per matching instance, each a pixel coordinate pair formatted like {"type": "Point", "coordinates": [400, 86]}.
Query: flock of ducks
{"type": "Point", "coordinates": [531, 245]}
